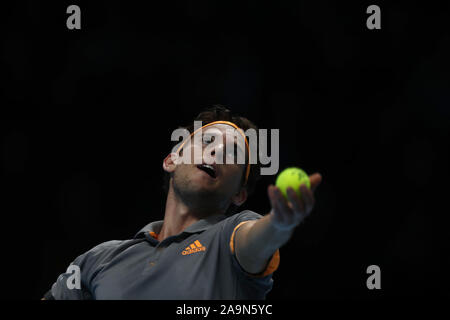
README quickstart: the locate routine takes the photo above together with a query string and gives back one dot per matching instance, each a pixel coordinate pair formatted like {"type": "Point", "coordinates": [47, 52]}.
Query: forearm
{"type": "Point", "coordinates": [257, 241]}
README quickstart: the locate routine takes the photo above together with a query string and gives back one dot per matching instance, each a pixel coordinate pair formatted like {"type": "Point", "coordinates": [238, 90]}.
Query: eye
{"type": "Point", "coordinates": [207, 139]}
{"type": "Point", "coordinates": [235, 153]}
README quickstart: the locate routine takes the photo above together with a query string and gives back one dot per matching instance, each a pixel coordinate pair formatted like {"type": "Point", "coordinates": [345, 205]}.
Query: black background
{"type": "Point", "coordinates": [86, 118]}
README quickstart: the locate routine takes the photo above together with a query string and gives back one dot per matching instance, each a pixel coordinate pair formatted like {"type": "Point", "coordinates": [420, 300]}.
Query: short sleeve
{"type": "Point", "coordinates": [234, 225]}
{"type": "Point", "coordinates": [74, 284]}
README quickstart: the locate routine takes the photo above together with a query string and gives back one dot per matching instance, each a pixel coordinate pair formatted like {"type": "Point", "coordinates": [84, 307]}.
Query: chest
{"type": "Point", "coordinates": [178, 269]}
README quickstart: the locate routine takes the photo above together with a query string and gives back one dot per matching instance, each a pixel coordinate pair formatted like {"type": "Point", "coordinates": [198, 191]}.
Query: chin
{"type": "Point", "coordinates": [204, 189]}
{"type": "Point", "coordinates": [198, 185]}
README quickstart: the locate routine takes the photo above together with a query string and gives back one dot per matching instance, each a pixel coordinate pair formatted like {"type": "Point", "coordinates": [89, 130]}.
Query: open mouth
{"type": "Point", "coordinates": [209, 169]}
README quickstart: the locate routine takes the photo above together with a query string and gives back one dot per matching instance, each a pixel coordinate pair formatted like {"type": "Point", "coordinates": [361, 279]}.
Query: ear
{"type": "Point", "coordinates": [240, 197]}
{"type": "Point", "coordinates": [169, 164]}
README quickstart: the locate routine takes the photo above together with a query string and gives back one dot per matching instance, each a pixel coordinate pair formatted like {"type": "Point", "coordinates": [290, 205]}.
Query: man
{"type": "Point", "coordinates": [199, 250]}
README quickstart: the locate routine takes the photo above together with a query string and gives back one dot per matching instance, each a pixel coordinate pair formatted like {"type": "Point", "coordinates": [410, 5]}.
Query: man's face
{"type": "Point", "coordinates": [213, 174]}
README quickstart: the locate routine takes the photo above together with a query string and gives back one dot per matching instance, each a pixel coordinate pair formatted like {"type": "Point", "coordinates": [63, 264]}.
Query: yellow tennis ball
{"type": "Point", "coordinates": [292, 177]}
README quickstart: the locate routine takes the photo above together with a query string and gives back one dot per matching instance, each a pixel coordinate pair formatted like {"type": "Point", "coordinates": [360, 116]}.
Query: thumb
{"type": "Point", "coordinates": [315, 179]}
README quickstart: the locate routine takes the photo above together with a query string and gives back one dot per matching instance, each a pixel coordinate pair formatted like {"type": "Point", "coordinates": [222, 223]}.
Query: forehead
{"type": "Point", "coordinates": [227, 132]}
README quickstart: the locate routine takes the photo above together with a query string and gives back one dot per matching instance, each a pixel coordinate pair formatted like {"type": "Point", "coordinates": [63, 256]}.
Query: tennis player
{"type": "Point", "coordinates": [204, 248]}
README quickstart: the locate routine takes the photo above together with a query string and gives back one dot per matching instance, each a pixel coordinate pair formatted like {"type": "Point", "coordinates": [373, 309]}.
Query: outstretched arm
{"type": "Point", "coordinates": [257, 240]}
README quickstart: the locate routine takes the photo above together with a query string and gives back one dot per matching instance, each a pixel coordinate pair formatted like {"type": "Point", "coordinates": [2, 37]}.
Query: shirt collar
{"type": "Point", "coordinates": [154, 226]}
{"type": "Point", "coordinates": [204, 224]}
{"type": "Point", "coordinates": [199, 226]}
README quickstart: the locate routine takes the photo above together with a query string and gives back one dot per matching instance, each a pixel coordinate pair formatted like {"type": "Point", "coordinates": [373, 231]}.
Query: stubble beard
{"type": "Point", "coordinates": [203, 200]}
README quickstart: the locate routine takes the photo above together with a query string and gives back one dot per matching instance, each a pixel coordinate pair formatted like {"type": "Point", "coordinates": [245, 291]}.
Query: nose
{"type": "Point", "coordinates": [216, 155]}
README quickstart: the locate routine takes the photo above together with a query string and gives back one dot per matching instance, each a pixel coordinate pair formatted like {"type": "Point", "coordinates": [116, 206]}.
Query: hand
{"type": "Point", "coordinates": [286, 215]}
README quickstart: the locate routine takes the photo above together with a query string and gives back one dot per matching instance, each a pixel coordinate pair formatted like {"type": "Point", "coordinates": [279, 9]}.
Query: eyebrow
{"type": "Point", "coordinates": [240, 149]}
{"type": "Point", "coordinates": [234, 143]}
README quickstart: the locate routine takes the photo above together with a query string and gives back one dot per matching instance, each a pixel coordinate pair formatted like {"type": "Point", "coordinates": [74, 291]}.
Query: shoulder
{"type": "Point", "coordinates": [108, 245]}
{"type": "Point", "coordinates": [104, 251]}
{"type": "Point", "coordinates": [243, 216]}
{"type": "Point", "coordinates": [230, 223]}
{"type": "Point", "coordinates": [105, 247]}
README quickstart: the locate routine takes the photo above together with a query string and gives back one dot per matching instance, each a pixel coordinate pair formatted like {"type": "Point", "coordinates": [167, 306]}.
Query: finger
{"type": "Point", "coordinates": [308, 198]}
{"type": "Point", "coordinates": [278, 212]}
{"type": "Point", "coordinates": [299, 207]}
{"type": "Point", "coordinates": [315, 179]}
{"type": "Point", "coordinates": [271, 195]}
{"type": "Point", "coordinates": [281, 202]}
{"type": "Point", "coordinates": [295, 200]}
{"type": "Point", "coordinates": [274, 202]}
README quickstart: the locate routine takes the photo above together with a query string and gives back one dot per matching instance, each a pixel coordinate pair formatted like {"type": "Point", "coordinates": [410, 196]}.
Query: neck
{"type": "Point", "coordinates": [178, 216]}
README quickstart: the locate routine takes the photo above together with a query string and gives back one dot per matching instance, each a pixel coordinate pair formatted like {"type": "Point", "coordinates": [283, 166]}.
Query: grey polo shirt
{"type": "Point", "coordinates": [199, 263]}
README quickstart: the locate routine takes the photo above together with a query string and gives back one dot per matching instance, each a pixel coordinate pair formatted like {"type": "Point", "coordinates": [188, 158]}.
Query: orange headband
{"type": "Point", "coordinates": [247, 170]}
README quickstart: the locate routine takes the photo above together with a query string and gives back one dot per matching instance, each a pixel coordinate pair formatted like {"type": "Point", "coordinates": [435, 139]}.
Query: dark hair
{"type": "Point", "coordinates": [216, 113]}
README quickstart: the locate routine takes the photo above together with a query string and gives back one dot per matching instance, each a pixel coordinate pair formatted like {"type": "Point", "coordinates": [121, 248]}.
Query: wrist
{"type": "Point", "coordinates": [278, 225]}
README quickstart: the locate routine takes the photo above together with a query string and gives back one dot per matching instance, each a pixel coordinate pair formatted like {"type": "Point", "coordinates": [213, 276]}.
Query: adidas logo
{"type": "Point", "coordinates": [194, 247]}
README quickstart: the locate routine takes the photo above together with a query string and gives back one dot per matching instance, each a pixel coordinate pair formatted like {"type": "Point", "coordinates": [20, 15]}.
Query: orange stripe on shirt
{"type": "Point", "coordinates": [154, 235]}
{"type": "Point", "coordinates": [232, 235]}
{"type": "Point", "coordinates": [273, 264]}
